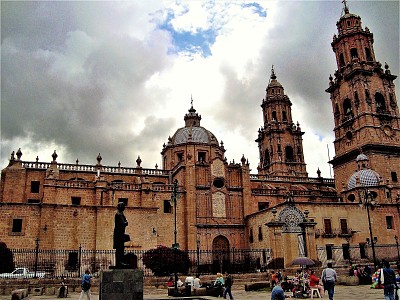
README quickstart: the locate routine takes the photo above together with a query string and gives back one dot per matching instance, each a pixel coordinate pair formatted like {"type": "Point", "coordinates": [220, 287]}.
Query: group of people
{"type": "Point", "coordinates": [364, 274]}
{"type": "Point", "coordinates": [223, 284]}
{"type": "Point", "coordinates": [303, 282]}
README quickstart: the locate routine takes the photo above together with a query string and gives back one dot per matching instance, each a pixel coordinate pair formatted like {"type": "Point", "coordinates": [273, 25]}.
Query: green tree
{"type": "Point", "coordinates": [163, 260]}
{"type": "Point", "coordinates": [6, 259]}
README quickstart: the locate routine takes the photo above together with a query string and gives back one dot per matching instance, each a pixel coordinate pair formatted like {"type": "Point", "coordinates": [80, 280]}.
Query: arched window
{"type": "Point", "coordinates": [348, 111]}
{"type": "Point", "coordinates": [337, 111]}
{"type": "Point", "coordinates": [353, 53]}
{"type": "Point", "coordinates": [274, 116]}
{"type": "Point", "coordinates": [341, 60]}
{"type": "Point", "coordinates": [380, 103]}
{"type": "Point", "coordinates": [267, 159]}
{"type": "Point", "coordinates": [356, 99]}
{"type": "Point", "coordinates": [289, 154]}
{"type": "Point", "coordinates": [284, 118]}
{"type": "Point", "coordinates": [368, 54]}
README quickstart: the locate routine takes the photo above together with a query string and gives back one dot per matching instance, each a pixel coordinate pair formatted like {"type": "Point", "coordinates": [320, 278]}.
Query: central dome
{"type": "Point", "coordinates": [193, 134]}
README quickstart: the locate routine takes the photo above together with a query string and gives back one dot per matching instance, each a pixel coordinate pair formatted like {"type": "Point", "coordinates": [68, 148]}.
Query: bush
{"type": "Point", "coordinates": [163, 260]}
{"type": "Point", "coordinates": [6, 259]}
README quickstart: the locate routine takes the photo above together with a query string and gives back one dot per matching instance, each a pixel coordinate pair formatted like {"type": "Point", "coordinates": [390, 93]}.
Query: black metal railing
{"type": "Point", "coordinates": [74, 262]}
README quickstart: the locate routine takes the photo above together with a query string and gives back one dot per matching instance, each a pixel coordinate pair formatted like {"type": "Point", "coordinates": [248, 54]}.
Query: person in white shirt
{"type": "Point", "coordinates": [196, 283]}
{"type": "Point", "coordinates": [190, 280]}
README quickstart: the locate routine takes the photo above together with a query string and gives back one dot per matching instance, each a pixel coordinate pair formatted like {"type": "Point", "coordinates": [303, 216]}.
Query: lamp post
{"type": "Point", "coordinates": [198, 258]}
{"type": "Point", "coordinates": [397, 246]}
{"type": "Point", "coordinates": [175, 246]}
{"type": "Point", "coordinates": [36, 256]}
{"type": "Point", "coordinates": [367, 202]}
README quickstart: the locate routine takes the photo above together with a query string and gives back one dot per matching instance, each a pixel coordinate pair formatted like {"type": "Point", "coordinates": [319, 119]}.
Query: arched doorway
{"type": "Point", "coordinates": [221, 254]}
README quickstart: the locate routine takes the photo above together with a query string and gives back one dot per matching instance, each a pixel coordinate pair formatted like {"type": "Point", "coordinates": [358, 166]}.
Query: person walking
{"type": "Point", "coordinates": [86, 284]}
{"type": "Point", "coordinates": [228, 286]}
{"type": "Point", "coordinates": [329, 278]}
{"type": "Point", "coordinates": [388, 280]}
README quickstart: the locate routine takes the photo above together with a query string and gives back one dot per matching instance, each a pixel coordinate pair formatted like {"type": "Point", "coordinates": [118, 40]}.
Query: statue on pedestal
{"type": "Point", "coordinates": [120, 237]}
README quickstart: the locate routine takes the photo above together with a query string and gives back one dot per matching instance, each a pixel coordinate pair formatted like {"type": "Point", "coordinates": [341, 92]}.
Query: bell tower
{"type": "Point", "coordinates": [364, 103]}
{"type": "Point", "coordinates": [280, 141]}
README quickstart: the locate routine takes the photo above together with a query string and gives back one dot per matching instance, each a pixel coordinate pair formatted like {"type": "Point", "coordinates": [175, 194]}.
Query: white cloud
{"type": "Point", "coordinates": [90, 77]}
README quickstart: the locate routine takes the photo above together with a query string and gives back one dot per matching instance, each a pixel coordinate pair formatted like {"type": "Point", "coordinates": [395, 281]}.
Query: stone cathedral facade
{"type": "Point", "coordinates": [221, 205]}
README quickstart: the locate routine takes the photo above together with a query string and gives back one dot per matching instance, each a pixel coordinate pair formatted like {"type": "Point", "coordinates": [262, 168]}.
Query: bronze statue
{"type": "Point", "coordinates": [119, 236]}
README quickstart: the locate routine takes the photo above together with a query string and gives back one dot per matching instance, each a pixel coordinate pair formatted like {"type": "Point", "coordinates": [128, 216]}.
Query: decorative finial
{"type": "Point", "coordinates": [99, 158]}
{"type": "Point", "coordinates": [191, 100]}
{"type": "Point", "coordinates": [346, 9]}
{"type": "Point", "coordinates": [138, 161]}
{"type": "Point", "coordinates": [19, 154]}
{"type": "Point", "coordinates": [54, 156]}
{"type": "Point", "coordinates": [273, 76]}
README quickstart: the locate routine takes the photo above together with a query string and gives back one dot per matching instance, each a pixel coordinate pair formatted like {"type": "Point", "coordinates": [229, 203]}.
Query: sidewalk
{"type": "Point", "coordinates": [363, 292]}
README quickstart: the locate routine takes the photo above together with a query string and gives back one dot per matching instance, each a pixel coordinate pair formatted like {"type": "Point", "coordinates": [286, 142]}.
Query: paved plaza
{"type": "Point", "coordinates": [363, 292]}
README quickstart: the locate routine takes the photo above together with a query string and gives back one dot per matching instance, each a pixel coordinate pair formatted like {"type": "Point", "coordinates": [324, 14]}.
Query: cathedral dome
{"type": "Point", "coordinates": [195, 135]}
{"type": "Point", "coordinates": [365, 177]}
{"type": "Point", "coordinates": [193, 132]}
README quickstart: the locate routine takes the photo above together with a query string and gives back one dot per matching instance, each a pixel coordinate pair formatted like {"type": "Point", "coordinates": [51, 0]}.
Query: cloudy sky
{"type": "Point", "coordinates": [117, 77]}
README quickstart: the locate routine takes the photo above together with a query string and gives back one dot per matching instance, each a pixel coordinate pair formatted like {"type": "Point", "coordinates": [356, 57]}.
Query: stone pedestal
{"type": "Point", "coordinates": [120, 284]}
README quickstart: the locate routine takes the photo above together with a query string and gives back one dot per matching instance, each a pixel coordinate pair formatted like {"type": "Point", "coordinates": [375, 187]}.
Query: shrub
{"type": "Point", "coordinates": [163, 260]}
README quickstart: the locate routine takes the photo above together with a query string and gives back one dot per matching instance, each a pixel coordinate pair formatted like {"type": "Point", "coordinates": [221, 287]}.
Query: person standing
{"type": "Point", "coordinates": [228, 286]}
{"type": "Point", "coordinates": [329, 278]}
{"type": "Point", "coordinates": [388, 279]}
{"type": "Point", "coordinates": [86, 284]}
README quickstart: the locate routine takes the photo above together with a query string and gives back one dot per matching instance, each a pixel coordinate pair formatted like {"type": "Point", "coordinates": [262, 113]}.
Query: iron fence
{"type": "Point", "coordinates": [74, 262]}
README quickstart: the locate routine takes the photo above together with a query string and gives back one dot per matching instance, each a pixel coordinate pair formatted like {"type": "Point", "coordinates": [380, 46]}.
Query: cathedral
{"type": "Point", "coordinates": [220, 206]}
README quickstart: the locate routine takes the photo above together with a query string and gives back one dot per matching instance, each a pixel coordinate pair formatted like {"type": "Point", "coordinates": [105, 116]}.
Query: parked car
{"type": "Point", "coordinates": [22, 273]}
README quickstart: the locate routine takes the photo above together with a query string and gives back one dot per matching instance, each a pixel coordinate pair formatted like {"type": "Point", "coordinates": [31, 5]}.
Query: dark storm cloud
{"type": "Point", "coordinates": [88, 77]}
{"type": "Point", "coordinates": [63, 84]}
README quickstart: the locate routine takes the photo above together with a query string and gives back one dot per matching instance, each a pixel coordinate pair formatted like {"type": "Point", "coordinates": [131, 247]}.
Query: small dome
{"type": "Point", "coordinates": [361, 157]}
{"type": "Point", "coordinates": [365, 177]}
{"type": "Point", "coordinates": [194, 135]}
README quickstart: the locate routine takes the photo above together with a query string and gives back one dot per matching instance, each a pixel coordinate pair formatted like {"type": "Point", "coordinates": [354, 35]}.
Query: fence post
{"type": "Point", "coordinates": [79, 260]}
{"type": "Point", "coordinates": [36, 256]}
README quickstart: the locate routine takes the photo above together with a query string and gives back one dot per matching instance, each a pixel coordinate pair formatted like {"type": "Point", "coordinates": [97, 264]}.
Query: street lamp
{"type": "Point", "coordinates": [198, 258]}
{"type": "Point", "coordinates": [367, 201]}
{"type": "Point", "coordinates": [175, 245]}
{"type": "Point", "coordinates": [36, 256]}
{"type": "Point", "coordinates": [397, 246]}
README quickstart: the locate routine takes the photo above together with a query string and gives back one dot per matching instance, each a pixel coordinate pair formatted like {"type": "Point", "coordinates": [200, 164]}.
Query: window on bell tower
{"type": "Point", "coordinates": [266, 158]}
{"type": "Point", "coordinates": [289, 154]}
{"type": "Point", "coordinates": [274, 116]}
{"type": "Point", "coordinates": [284, 118]}
{"type": "Point", "coordinates": [353, 53]}
{"type": "Point", "coordinates": [368, 54]}
{"type": "Point", "coordinates": [347, 108]}
{"type": "Point", "coordinates": [341, 60]}
{"type": "Point", "coordinates": [380, 103]}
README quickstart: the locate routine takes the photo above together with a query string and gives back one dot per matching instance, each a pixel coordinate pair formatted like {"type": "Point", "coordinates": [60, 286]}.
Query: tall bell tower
{"type": "Point", "coordinates": [280, 141]}
{"type": "Point", "coordinates": [364, 103]}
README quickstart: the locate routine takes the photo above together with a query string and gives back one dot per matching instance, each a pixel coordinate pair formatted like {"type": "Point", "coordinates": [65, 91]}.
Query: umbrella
{"type": "Point", "coordinates": [303, 261]}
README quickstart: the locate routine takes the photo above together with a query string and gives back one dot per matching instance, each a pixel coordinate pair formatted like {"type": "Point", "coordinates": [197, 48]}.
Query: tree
{"type": "Point", "coordinates": [163, 260]}
{"type": "Point", "coordinates": [6, 259]}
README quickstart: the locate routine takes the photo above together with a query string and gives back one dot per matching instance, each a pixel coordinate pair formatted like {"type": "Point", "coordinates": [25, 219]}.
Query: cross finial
{"type": "Point", "coordinates": [346, 9]}
{"type": "Point", "coordinates": [273, 76]}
